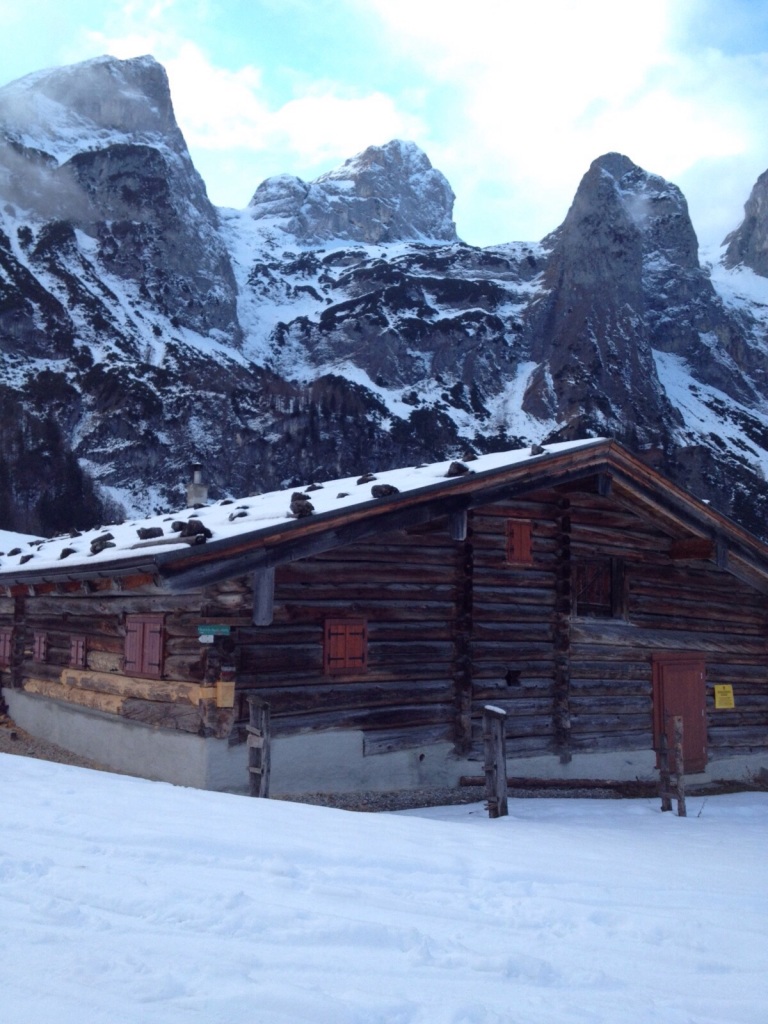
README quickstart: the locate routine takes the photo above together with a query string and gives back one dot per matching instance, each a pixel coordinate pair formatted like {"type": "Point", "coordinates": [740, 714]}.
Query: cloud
{"type": "Point", "coordinates": [224, 112]}
{"type": "Point", "coordinates": [547, 88]}
{"type": "Point", "coordinates": [511, 101]}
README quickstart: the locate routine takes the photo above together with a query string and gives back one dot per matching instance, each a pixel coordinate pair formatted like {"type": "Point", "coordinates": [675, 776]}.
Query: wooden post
{"type": "Point", "coordinates": [258, 747]}
{"type": "Point", "coordinates": [664, 782]}
{"type": "Point", "coordinates": [495, 761]}
{"type": "Point", "coordinates": [665, 776]}
{"type": "Point", "coordinates": [263, 581]}
{"type": "Point", "coordinates": [679, 766]}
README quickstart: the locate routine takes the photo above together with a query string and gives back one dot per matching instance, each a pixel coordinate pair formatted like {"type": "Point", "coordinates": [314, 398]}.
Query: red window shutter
{"type": "Point", "coordinates": [357, 646]}
{"type": "Point", "coordinates": [40, 647]}
{"type": "Point", "coordinates": [144, 645]}
{"type": "Point", "coordinates": [334, 655]}
{"type": "Point", "coordinates": [519, 542]}
{"type": "Point", "coordinates": [77, 657]}
{"type": "Point", "coordinates": [153, 648]}
{"type": "Point", "coordinates": [345, 646]}
{"type": "Point", "coordinates": [133, 646]}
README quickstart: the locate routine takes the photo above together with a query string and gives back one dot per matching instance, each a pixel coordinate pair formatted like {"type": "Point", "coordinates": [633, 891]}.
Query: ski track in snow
{"type": "Point", "coordinates": [131, 902]}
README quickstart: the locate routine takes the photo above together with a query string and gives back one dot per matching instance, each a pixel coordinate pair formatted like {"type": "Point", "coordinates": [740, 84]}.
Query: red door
{"type": "Point", "coordinates": [679, 689]}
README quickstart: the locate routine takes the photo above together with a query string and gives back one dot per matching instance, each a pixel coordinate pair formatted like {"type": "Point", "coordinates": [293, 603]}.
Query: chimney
{"type": "Point", "coordinates": [197, 491]}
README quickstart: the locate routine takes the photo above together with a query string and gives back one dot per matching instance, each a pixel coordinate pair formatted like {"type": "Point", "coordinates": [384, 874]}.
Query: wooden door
{"type": "Point", "coordinates": [679, 689]}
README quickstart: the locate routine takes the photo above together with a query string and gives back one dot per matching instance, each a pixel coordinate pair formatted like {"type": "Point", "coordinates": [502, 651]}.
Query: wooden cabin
{"type": "Point", "coordinates": [571, 586]}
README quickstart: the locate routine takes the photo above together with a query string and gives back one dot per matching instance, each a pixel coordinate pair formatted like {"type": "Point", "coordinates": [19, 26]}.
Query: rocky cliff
{"type": "Point", "coordinates": [340, 325]}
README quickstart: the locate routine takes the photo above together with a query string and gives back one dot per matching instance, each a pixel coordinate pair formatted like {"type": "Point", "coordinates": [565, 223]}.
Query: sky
{"type": "Point", "coordinates": [132, 902]}
{"type": "Point", "coordinates": [511, 100]}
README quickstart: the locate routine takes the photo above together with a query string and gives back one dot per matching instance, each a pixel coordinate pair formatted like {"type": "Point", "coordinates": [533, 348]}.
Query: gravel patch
{"type": "Point", "coordinates": [14, 740]}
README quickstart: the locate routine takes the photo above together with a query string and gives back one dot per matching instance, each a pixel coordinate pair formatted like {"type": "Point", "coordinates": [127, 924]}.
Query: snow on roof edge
{"type": "Point", "coordinates": [127, 543]}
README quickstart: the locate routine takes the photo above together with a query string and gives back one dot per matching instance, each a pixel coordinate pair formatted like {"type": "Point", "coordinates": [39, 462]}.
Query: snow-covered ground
{"type": "Point", "coordinates": [130, 902]}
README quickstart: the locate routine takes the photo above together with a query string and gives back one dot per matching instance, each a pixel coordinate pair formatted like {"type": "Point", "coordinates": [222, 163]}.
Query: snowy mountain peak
{"type": "Point", "coordinates": [63, 111]}
{"type": "Point", "coordinates": [748, 244]}
{"type": "Point", "coordinates": [384, 194]}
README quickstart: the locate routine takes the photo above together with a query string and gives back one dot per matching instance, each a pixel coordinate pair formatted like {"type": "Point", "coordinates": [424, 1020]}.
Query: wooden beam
{"type": "Point", "coordinates": [263, 596]}
{"type": "Point", "coordinates": [604, 484]}
{"type": "Point", "coordinates": [459, 525]}
{"type": "Point", "coordinates": [692, 547]}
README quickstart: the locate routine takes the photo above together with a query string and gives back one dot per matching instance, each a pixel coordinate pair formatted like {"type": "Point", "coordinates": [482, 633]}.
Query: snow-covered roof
{"type": "Point", "coordinates": [9, 540]}
{"type": "Point", "coordinates": [231, 519]}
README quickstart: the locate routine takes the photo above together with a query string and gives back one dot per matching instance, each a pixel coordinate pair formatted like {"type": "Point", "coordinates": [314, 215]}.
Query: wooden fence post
{"type": "Point", "coordinates": [679, 767]}
{"type": "Point", "coordinates": [665, 776]}
{"type": "Point", "coordinates": [495, 761]}
{"type": "Point", "coordinates": [664, 780]}
{"type": "Point", "coordinates": [258, 747]}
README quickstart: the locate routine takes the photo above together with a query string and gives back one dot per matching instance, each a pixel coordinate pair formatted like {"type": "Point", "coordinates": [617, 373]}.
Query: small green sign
{"type": "Point", "coordinates": [213, 629]}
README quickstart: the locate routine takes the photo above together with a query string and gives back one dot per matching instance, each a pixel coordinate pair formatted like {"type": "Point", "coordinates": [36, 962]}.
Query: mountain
{"type": "Point", "coordinates": [340, 325]}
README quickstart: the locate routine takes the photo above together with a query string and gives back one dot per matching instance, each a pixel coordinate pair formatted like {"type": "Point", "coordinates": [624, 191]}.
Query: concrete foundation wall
{"type": "Point", "coordinates": [330, 762]}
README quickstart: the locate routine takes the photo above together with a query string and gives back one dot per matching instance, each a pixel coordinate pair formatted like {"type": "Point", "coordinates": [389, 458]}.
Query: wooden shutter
{"type": "Point", "coordinates": [345, 646]}
{"type": "Point", "coordinates": [357, 646]}
{"type": "Point", "coordinates": [133, 646]}
{"type": "Point", "coordinates": [599, 587]}
{"type": "Point", "coordinates": [152, 664]}
{"type": "Point", "coordinates": [77, 657]}
{"type": "Point", "coordinates": [143, 645]}
{"type": "Point", "coordinates": [519, 542]}
{"type": "Point", "coordinates": [40, 647]}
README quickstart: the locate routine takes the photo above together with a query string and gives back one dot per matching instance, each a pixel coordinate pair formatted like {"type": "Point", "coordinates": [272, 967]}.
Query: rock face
{"type": "Point", "coordinates": [141, 330]}
{"type": "Point", "coordinates": [590, 331]}
{"type": "Point", "coordinates": [388, 193]}
{"type": "Point", "coordinates": [95, 149]}
{"type": "Point", "coordinates": [748, 244]}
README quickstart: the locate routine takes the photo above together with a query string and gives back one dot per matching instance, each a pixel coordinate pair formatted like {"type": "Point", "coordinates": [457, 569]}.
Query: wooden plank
{"type": "Point", "coordinates": [388, 741]}
{"type": "Point", "coordinates": [162, 714]}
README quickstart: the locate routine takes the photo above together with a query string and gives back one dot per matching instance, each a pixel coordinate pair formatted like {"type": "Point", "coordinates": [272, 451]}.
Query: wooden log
{"type": "Point", "coordinates": [107, 703]}
{"type": "Point", "coordinates": [387, 741]}
{"type": "Point", "coordinates": [162, 714]}
{"type": "Point", "coordinates": [355, 695]}
{"type": "Point", "coordinates": [102, 661]}
{"type": "Point", "coordinates": [364, 720]}
{"type": "Point", "coordinates": [495, 764]}
{"type": "Point", "coordinates": [130, 686]}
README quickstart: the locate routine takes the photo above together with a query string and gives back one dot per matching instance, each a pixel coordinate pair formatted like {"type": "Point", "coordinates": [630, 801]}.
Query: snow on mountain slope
{"type": "Point", "coordinates": [340, 325]}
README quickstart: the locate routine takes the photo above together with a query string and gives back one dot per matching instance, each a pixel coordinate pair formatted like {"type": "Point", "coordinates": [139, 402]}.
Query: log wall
{"type": "Point", "coordinates": [451, 626]}
{"type": "Point", "coordinates": [183, 698]}
{"type": "Point", "coordinates": [410, 590]}
{"type": "Point", "coordinates": [574, 683]}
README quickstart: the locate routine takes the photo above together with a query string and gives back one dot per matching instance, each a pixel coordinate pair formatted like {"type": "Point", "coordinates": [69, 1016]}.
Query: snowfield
{"type": "Point", "coordinates": [131, 902]}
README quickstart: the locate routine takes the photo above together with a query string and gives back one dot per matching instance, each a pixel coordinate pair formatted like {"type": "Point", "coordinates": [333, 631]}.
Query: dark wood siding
{"type": "Point", "coordinates": [404, 587]}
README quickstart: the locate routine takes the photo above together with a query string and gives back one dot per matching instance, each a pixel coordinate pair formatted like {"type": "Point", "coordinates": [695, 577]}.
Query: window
{"type": "Point", "coordinates": [77, 657]}
{"type": "Point", "coordinates": [519, 542]}
{"type": "Point", "coordinates": [599, 588]}
{"type": "Point", "coordinates": [6, 647]}
{"type": "Point", "coordinates": [345, 649]}
{"type": "Point", "coordinates": [40, 647]}
{"type": "Point", "coordinates": [144, 645]}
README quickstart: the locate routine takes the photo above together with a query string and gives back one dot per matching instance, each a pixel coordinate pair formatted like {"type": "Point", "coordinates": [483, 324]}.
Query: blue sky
{"type": "Point", "coordinates": [512, 100]}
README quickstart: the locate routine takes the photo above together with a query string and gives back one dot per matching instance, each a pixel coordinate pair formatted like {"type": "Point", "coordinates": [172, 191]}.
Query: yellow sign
{"type": "Point", "coordinates": [724, 696]}
{"type": "Point", "coordinates": [225, 694]}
